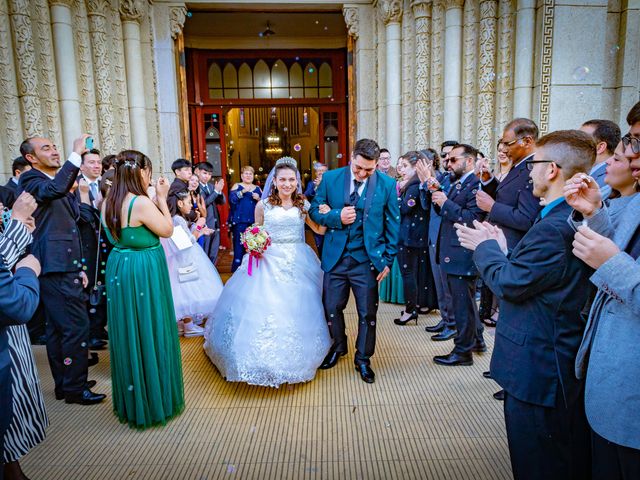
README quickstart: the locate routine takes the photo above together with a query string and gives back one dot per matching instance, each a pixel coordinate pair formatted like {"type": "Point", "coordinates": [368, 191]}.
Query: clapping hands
{"type": "Point", "coordinates": [470, 238]}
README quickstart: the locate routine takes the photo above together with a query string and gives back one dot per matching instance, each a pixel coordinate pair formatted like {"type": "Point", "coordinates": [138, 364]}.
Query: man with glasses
{"type": "Point", "coordinates": [384, 164]}
{"type": "Point", "coordinates": [458, 205]}
{"type": "Point", "coordinates": [541, 287]}
{"type": "Point", "coordinates": [609, 357]}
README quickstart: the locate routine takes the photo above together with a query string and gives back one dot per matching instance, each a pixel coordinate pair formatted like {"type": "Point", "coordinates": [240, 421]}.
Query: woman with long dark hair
{"type": "Point", "coordinates": [146, 367]}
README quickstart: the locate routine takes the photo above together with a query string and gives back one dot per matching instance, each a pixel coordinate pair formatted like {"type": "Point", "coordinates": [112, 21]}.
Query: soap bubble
{"type": "Point", "coordinates": [580, 74]}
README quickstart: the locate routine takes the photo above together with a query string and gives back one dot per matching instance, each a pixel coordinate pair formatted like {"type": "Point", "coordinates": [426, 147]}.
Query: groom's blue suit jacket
{"type": "Point", "coordinates": [381, 222]}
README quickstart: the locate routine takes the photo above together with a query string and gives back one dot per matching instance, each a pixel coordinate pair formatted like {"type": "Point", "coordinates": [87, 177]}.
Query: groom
{"type": "Point", "coordinates": [359, 248]}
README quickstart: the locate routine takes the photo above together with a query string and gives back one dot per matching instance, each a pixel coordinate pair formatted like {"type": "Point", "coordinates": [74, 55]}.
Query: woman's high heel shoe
{"type": "Point", "coordinates": [399, 321]}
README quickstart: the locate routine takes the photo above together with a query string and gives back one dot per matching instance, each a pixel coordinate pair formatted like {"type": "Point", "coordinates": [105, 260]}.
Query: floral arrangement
{"type": "Point", "coordinates": [255, 241]}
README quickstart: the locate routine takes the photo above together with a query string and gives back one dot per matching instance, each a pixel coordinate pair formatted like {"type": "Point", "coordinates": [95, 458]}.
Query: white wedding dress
{"type": "Point", "coordinates": [269, 328]}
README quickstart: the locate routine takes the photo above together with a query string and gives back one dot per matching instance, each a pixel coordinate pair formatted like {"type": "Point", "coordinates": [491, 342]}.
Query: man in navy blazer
{"type": "Point", "coordinates": [540, 285]}
{"type": "Point", "coordinates": [458, 205]}
{"type": "Point", "coordinates": [607, 137]}
{"type": "Point", "coordinates": [57, 245]}
{"type": "Point", "coordinates": [510, 204]}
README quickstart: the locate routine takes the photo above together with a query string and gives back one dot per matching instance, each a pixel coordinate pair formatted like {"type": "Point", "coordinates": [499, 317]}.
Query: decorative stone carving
{"type": "Point", "coordinates": [97, 11]}
{"type": "Point", "coordinates": [11, 120]}
{"type": "Point", "coordinates": [177, 17]}
{"type": "Point", "coordinates": [437, 80]}
{"type": "Point", "coordinates": [390, 11]}
{"type": "Point", "coordinates": [65, 3]}
{"type": "Point", "coordinates": [382, 82]}
{"type": "Point", "coordinates": [422, 81]}
{"type": "Point", "coordinates": [504, 96]}
{"type": "Point", "coordinates": [85, 70]}
{"type": "Point", "coordinates": [351, 19]}
{"type": "Point", "coordinates": [487, 79]}
{"type": "Point", "coordinates": [46, 67]}
{"type": "Point", "coordinates": [25, 55]}
{"type": "Point", "coordinates": [131, 10]}
{"type": "Point", "coordinates": [548, 11]}
{"type": "Point", "coordinates": [121, 102]}
{"type": "Point", "coordinates": [469, 72]}
{"type": "Point", "coordinates": [408, 67]}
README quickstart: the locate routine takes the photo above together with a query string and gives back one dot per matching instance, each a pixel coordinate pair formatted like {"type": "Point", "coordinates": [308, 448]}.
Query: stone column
{"type": "Point", "coordinates": [10, 119]}
{"type": "Point", "coordinates": [525, 49]}
{"type": "Point", "coordinates": [437, 70]}
{"type": "Point", "coordinates": [408, 68]}
{"type": "Point", "coordinates": [67, 76]}
{"type": "Point", "coordinates": [487, 83]}
{"type": "Point", "coordinates": [30, 106]}
{"type": "Point", "coordinates": [96, 11]}
{"type": "Point", "coordinates": [422, 84]}
{"type": "Point", "coordinates": [470, 73]}
{"type": "Point", "coordinates": [167, 25]}
{"type": "Point", "coordinates": [391, 13]}
{"type": "Point", "coordinates": [130, 13]}
{"type": "Point", "coordinates": [453, 75]}
{"type": "Point", "coordinates": [627, 51]}
{"type": "Point", "coordinates": [504, 78]}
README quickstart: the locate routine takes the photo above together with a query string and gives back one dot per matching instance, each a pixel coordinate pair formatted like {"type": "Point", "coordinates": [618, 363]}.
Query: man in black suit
{"type": "Point", "coordinates": [459, 205]}
{"type": "Point", "coordinates": [182, 170]}
{"type": "Point", "coordinates": [18, 167]}
{"type": "Point", "coordinates": [510, 204]}
{"type": "Point", "coordinates": [213, 197]}
{"type": "Point", "coordinates": [7, 197]}
{"type": "Point", "coordinates": [56, 244]}
{"type": "Point", "coordinates": [541, 287]}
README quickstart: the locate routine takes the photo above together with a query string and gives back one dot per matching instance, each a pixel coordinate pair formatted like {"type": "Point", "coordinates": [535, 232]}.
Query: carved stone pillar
{"type": "Point", "coordinates": [10, 119]}
{"type": "Point", "coordinates": [504, 78]}
{"type": "Point", "coordinates": [96, 11]}
{"type": "Point", "coordinates": [408, 67]}
{"type": "Point", "coordinates": [26, 60]}
{"type": "Point", "coordinates": [67, 76]}
{"type": "Point", "coordinates": [525, 49]}
{"type": "Point", "coordinates": [381, 79]}
{"type": "Point", "coordinates": [437, 68]}
{"type": "Point", "coordinates": [131, 12]}
{"type": "Point", "coordinates": [487, 79]}
{"type": "Point", "coordinates": [422, 109]}
{"type": "Point", "coordinates": [470, 73]}
{"type": "Point", "coordinates": [351, 20]}
{"type": "Point", "coordinates": [84, 65]}
{"type": "Point", "coordinates": [391, 14]}
{"type": "Point", "coordinates": [453, 80]}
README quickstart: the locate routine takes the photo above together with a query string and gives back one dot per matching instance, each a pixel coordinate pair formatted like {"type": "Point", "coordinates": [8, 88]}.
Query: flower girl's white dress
{"type": "Point", "coordinates": [269, 327]}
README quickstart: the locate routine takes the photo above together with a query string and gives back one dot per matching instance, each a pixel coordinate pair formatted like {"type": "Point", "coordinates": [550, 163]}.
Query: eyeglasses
{"type": "Point", "coordinates": [633, 141]}
{"type": "Point", "coordinates": [508, 144]}
{"type": "Point", "coordinates": [529, 163]}
{"type": "Point", "coordinates": [455, 159]}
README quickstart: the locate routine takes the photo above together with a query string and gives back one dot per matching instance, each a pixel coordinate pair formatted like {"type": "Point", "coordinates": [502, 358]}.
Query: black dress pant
{"type": "Point", "coordinates": [349, 275]}
{"type": "Point", "coordinates": [465, 312]}
{"type": "Point", "coordinates": [65, 307]}
{"type": "Point", "coordinates": [409, 261]}
{"type": "Point", "coordinates": [550, 443]}
{"type": "Point", "coordinates": [612, 461]}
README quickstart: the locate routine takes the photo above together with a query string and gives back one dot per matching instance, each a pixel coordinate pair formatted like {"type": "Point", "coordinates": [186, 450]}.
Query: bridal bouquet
{"type": "Point", "coordinates": [255, 241]}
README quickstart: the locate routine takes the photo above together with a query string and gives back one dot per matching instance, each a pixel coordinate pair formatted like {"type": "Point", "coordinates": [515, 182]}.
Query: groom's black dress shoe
{"type": "Point", "coordinates": [454, 359]}
{"type": "Point", "coordinates": [331, 359]}
{"type": "Point", "coordinates": [366, 374]}
{"type": "Point", "coordinates": [87, 397]}
{"type": "Point", "coordinates": [438, 327]}
{"type": "Point", "coordinates": [446, 334]}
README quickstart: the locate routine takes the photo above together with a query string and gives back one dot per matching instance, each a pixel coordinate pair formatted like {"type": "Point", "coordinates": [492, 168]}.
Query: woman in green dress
{"type": "Point", "coordinates": [146, 368]}
{"type": "Point", "coordinates": [391, 289]}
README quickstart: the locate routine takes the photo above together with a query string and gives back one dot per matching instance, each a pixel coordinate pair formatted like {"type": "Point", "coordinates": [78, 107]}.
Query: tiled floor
{"type": "Point", "coordinates": [418, 421]}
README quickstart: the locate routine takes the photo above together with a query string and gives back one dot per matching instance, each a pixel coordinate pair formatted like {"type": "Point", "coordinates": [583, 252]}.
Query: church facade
{"type": "Point", "coordinates": [312, 76]}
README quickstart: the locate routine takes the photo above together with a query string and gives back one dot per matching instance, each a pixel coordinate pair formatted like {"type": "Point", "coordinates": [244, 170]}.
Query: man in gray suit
{"type": "Point", "coordinates": [213, 197]}
{"type": "Point", "coordinates": [607, 136]}
{"type": "Point", "coordinates": [609, 356]}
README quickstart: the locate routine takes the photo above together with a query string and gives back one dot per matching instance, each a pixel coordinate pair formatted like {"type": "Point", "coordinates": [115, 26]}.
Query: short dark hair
{"type": "Point", "coordinates": [449, 143]}
{"type": "Point", "coordinates": [206, 166]}
{"type": "Point", "coordinates": [180, 163]}
{"type": "Point", "coordinates": [366, 148]}
{"type": "Point", "coordinates": [93, 151]}
{"type": "Point", "coordinates": [467, 149]}
{"type": "Point", "coordinates": [633, 116]}
{"type": "Point", "coordinates": [523, 127]}
{"type": "Point", "coordinates": [384, 150]}
{"type": "Point", "coordinates": [605, 131]}
{"type": "Point", "coordinates": [107, 162]}
{"type": "Point", "coordinates": [19, 164]}
{"type": "Point", "coordinates": [26, 148]}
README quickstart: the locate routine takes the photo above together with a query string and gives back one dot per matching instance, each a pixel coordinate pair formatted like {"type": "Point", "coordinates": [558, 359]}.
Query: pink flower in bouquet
{"type": "Point", "coordinates": [255, 240]}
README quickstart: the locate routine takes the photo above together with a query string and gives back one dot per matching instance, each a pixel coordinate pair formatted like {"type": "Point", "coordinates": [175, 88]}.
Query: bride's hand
{"type": "Point", "coordinates": [324, 208]}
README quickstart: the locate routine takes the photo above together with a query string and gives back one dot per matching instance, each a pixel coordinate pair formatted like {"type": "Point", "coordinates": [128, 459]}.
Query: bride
{"type": "Point", "coordinates": [269, 328]}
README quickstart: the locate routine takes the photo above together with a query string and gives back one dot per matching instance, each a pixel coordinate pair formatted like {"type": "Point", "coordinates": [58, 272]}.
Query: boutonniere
{"type": "Point", "coordinates": [411, 202]}
{"type": "Point", "coordinates": [458, 186]}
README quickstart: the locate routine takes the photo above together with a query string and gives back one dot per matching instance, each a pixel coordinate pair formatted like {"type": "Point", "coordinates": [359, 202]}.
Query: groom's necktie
{"type": "Point", "coordinates": [355, 196]}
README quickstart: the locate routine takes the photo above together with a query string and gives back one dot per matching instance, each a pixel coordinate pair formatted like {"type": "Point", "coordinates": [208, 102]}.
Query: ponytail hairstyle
{"type": "Point", "coordinates": [127, 178]}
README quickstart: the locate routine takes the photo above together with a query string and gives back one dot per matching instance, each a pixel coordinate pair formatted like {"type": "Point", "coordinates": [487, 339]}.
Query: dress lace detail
{"type": "Point", "coordinates": [269, 328]}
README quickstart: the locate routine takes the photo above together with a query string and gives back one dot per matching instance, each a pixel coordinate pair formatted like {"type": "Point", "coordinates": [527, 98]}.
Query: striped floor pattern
{"type": "Point", "coordinates": [418, 421]}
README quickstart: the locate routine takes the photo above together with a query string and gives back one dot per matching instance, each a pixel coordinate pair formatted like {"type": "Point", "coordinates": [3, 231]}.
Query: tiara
{"type": "Point", "coordinates": [287, 161]}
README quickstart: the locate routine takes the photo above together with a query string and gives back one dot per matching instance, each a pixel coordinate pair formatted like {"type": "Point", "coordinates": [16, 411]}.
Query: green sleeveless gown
{"type": "Point", "coordinates": [391, 288]}
{"type": "Point", "coordinates": [146, 367]}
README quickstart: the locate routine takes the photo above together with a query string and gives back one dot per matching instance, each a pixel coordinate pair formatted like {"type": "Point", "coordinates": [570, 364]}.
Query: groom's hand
{"type": "Point", "coordinates": [381, 276]}
{"type": "Point", "coordinates": [348, 215]}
